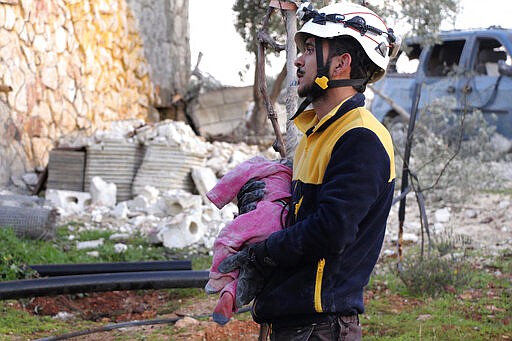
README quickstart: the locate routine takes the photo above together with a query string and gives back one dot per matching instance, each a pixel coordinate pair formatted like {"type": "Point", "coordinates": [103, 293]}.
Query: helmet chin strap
{"type": "Point", "coordinates": [322, 81]}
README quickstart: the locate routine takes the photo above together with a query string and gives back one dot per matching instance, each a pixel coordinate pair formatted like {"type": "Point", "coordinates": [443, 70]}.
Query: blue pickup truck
{"type": "Point", "coordinates": [474, 66]}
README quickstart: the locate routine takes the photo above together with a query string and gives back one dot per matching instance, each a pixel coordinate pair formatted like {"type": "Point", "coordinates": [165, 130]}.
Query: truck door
{"type": "Point", "coordinates": [442, 72]}
{"type": "Point", "coordinates": [489, 86]}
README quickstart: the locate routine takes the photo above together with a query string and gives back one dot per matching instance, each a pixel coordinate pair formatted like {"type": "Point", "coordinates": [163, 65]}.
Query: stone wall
{"type": "Point", "coordinates": [72, 65]}
{"type": "Point", "coordinates": [163, 26]}
{"type": "Point", "coordinates": [221, 111]}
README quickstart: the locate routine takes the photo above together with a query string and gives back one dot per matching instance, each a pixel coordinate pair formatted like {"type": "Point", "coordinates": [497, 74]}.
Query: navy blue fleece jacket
{"type": "Point", "coordinates": [342, 189]}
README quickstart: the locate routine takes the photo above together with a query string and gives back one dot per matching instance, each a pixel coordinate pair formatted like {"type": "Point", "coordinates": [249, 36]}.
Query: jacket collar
{"type": "Point", "coordinates": [308, 122]}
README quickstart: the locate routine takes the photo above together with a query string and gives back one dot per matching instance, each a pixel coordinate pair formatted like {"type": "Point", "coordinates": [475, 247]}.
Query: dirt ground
{"type": "Point", "coordinates": [119, 307]}
{"type": "Point", "coordinates": [114, 308]}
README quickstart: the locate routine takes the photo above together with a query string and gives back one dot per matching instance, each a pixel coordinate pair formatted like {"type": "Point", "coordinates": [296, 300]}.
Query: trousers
{"type": "Point", "coordinates": [336, 328]}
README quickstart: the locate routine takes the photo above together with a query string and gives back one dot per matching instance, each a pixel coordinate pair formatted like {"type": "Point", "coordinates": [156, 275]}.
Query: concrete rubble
{"type": "Point", "coordinates": [167, 202]}
{"type": "Point", "coordinates": [177, 214]}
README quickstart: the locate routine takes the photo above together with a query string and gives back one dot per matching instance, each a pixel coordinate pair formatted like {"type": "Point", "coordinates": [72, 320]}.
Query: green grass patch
{"type": "Point", "coordinates": [15, 322]}
{"type": "Point", "coordinates": [471, 296]}
{"type": "Point", "coordinates": [17, 253]}
{"type": "Point", "coordinates": [477, 308]}
{"type": "Point", "coordinates": [449, 317]}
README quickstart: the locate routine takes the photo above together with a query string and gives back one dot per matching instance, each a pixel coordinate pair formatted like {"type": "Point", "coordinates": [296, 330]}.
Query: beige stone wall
{"type": "Point", "coordinates": [221, 111]}
{"type": "Point", "coordinates": [73, 65]}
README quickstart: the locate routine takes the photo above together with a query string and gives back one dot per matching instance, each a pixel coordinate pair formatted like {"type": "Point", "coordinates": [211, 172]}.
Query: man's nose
{"type": "Point", "coordinates": [299, 61]}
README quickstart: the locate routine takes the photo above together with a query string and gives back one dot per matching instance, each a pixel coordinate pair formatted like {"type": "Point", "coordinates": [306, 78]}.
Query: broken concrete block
{"type": "Point", "coordinates": [205, 179]}
{"type": "Point", "coordinates": [229, 212]}
{"type": "Point", "coordinates": [119, 236]}
{"type": "Point", "coordinates": [150, 193]}
{"type": "Point", "coordinates": [176, 201]}
{"type": "Point", "coordinates": [96, 216]}
{"type": "Point", "coordinates": [68, 202]}
{"type": "Point", "coordinates": [211, 213]}
{"type": "Point", "coordinates": [121, 210]}
{"type": "Point", "coordinates": [103, 193]}
{"type": "Point", "coordinates": [181, 231]}
{"type": "Point", "coordinates": [89, 244]}
{"type": "Point", "coordinates": [139, 203]}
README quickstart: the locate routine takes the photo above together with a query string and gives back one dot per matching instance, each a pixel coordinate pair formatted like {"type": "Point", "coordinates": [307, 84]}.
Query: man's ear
{"type": "Point", "coordinates": [342, 65]}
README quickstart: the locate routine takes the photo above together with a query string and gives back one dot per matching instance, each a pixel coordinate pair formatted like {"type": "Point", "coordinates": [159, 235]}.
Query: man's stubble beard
{"type": "Point", "coordinates": [312, 91]}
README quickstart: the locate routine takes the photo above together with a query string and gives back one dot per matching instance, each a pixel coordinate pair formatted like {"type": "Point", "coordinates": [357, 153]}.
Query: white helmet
{"type": "Point", "coordinates": [349, 19]}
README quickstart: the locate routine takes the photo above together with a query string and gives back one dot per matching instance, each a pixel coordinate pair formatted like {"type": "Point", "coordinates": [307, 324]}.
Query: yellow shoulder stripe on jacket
{"type": "Point", "coordinates": [314, 151]}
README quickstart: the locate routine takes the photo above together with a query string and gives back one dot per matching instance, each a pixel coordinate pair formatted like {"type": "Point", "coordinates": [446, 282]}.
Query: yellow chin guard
{"type": "Point", "coordinates": [322, 82]}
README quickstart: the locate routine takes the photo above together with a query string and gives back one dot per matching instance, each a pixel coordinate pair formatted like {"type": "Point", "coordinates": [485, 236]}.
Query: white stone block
{"type": "Point", "coordinates": [89, 244]}
{"type": "Point", "coordinates": [121, 210]}
{"type": "Point", "coordinates": [96, 217]}
{"type": "Point", "coordinates": [389, 253]}
{"type": "Point", "coordinates": [103, 193]}
{"type": "Point", "coordinates": [63, 316]}
{"type": "Point", "coordinates": [93, 254]}
{"type": "Point", "coordinates": [442, 215]}
{"type": "Point", "coordinates": [119, 236]}
{"type": "Point", "coordinates": [139, 203]}
{"type": "Point", "coordinates": [68, 202]}
{"type": "Point", "coordinates": [406, 238]}
{"type": "Point", "coordinates": [182, 230]}
{"type": "Point", "coordinates": [150, 193]}
{"type": "Point", "coordinates": [211, 213]}
{"type": "Point", "coordinates": [205, 179]}
{"type": "Point", "coordinates": [178, 201]}
{"type": "Point", "coordinates": [229, 211]}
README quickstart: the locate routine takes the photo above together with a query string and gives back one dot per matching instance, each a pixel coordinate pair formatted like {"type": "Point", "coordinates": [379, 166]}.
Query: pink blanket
{"type": "Point", "coordinates": [251, 227]}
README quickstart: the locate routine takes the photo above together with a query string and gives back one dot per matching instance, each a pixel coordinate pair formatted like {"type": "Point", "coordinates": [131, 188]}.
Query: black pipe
{"type": "Point", "coordinates": [102, 282]}
{"type": "Point", "coordinates": [99, 268]}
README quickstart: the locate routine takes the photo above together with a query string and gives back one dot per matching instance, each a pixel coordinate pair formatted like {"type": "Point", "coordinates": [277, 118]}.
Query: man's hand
{"type": "Point", "coordinates": [249, 195]}
{"type": "Point", "coordinates": [255, 267]}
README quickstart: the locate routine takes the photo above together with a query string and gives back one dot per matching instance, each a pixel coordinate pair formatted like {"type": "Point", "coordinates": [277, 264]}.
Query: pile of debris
{"type": "Point", "coordinates": [145, 179]}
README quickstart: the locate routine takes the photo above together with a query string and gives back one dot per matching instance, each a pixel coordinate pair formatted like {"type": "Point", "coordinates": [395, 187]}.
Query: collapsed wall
{"type": "Point", "coordinates": [164, 198]}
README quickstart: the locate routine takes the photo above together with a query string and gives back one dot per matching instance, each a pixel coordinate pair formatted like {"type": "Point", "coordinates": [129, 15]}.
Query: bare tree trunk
{"type": "Point", "coordinates": [258, 117]}
{"type": "Point", "coordinates": [292, 133]}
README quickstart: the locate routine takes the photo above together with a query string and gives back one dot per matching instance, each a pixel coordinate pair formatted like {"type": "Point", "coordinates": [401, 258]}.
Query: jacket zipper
{"type": "Point", "coordinates": [318, 285]}
{"type": "Point", "coordinates": [296, 208]}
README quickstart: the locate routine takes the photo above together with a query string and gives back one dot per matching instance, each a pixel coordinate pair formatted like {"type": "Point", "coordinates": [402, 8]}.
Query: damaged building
{"type": "Point", "coordinates": [101, 114]}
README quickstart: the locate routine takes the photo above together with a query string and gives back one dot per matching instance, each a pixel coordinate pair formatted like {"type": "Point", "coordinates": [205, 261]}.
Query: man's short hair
{"type": "Point", "coordinates": [362, 66]}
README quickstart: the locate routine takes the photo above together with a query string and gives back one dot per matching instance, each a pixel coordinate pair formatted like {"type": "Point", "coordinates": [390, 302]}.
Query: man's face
{"type": "Point", "coordinates": [306, 68]}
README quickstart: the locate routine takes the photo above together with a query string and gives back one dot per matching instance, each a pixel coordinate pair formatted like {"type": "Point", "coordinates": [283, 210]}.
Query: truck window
{"type": "Point", "coordinates": [407, 60]}
{"type": "Point", "coordinates": [490, 54]}
{"type": "Point", "coordinates": [403, 64]}
{"type": "Point", "coordinates": [444, 58]}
